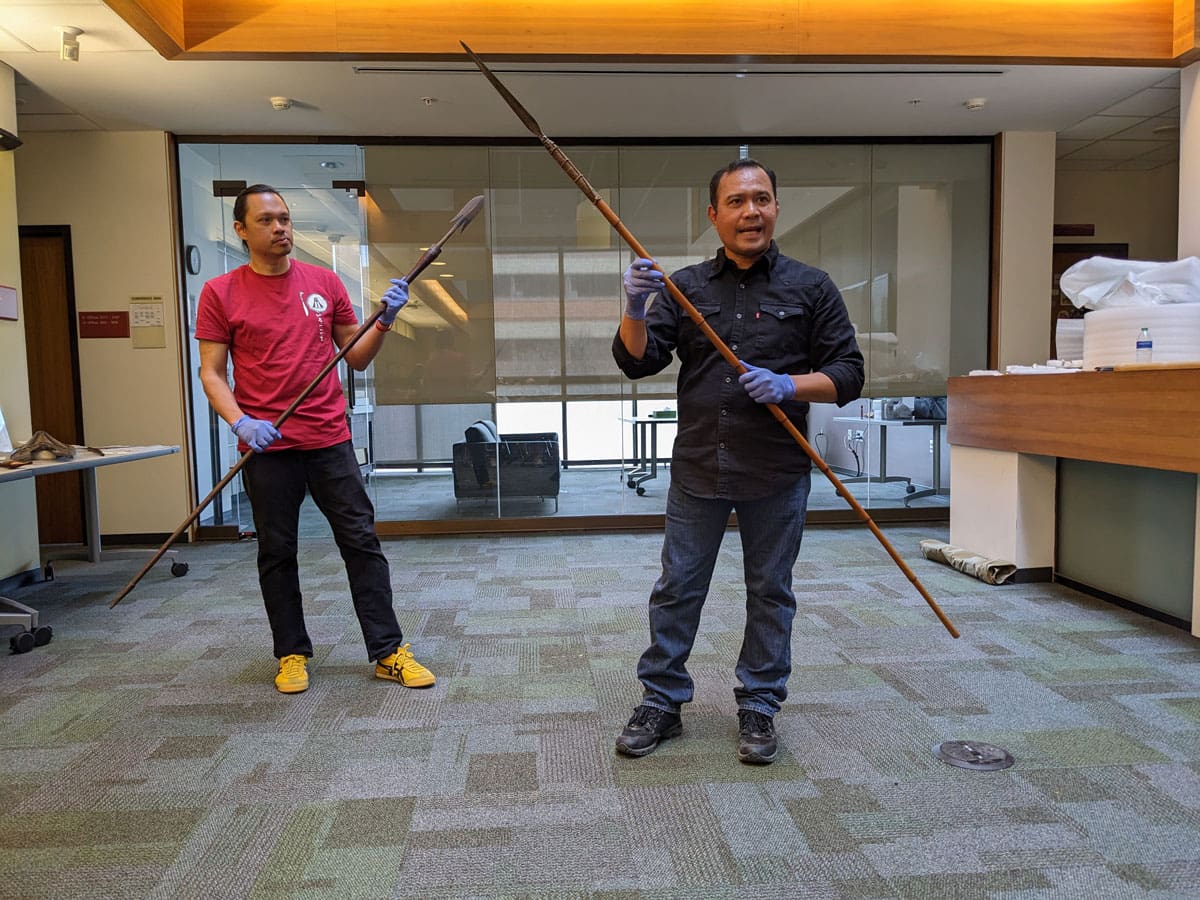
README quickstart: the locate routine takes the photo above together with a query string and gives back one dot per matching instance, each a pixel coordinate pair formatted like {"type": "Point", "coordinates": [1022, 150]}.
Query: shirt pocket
{"type": "Point", "coordinates": [782, 331]}
{"type": "Point", "coordinates": [693, 336]}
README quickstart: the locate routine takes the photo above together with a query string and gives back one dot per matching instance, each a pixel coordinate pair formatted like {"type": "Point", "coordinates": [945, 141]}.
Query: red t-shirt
{"type": "Point", "coordinates": [279, 330]}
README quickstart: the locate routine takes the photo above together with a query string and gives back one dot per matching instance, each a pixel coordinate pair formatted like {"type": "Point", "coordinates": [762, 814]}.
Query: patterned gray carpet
{"type": "Point", "coordinates": [145, 753]}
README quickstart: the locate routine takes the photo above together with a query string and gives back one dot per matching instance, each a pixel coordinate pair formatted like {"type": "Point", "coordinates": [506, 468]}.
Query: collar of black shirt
{"type": "Point", "coordinates": [720, 262]}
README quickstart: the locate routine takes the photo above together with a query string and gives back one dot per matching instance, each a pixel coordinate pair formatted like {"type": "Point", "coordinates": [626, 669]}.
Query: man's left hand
{"type": "Point", "coordinates": [394, 299]}
{"type": "Point", "coordinates": [765, 386]}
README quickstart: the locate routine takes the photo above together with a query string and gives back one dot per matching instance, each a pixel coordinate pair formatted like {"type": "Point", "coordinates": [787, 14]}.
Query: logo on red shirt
{"type": "Point", "coordinates": [316, 303]}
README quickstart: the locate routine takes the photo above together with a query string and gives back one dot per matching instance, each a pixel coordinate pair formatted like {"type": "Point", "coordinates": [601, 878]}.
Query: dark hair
{"type": "Point", "coordinates": [745, 163]}
{"type": "Point", "coordinates": [239, 205]}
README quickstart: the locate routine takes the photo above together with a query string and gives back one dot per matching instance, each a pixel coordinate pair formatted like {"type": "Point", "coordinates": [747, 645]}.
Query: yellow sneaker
{"type": "Point", "coordinates": [401, 667]}
{"type": "Point", "coordinates": [293, 674]}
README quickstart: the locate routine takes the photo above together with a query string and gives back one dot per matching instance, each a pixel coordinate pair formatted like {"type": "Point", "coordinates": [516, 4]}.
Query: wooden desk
{"type": "Point", "coordinates": [86, 461]}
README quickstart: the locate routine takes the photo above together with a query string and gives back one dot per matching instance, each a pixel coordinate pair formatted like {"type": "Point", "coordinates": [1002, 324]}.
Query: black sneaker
{"type": "Point", "coordinates": [756, 738]}
{"type": "Point", "coordinates": [647, 726]}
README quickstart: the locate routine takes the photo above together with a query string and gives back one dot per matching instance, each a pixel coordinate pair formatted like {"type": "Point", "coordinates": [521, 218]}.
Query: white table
{"type": "Point", "coordinates": [935, 487]}
{"type": "Point", "coordinates": [645, 449]}
{"type": "Point", "coordinates": [86, 461]}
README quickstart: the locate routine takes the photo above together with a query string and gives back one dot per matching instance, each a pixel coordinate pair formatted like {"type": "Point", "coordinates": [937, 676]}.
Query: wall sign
{"type": "Point", "coordinates": [104, 324]}
{"type": "Point", "coordinates": [147, 322]}
{"type": "Point", "coordinates": [8, 302]}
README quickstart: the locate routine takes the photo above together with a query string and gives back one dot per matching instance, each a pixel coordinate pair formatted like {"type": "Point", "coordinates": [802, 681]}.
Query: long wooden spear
{"type": "Point", "coordinates": [457, 224]}
{"type": "Point", "coordinates": [694, 314]}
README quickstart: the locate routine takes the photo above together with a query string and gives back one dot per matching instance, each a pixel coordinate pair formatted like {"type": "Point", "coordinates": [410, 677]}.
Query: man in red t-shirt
{"type": "Point", "coordinates": [281, 321]}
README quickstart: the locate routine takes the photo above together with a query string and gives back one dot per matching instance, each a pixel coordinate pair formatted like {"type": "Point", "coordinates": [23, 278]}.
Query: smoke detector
{"type": "Point", "coordinates": [281, 103]}
{"type": "Point", "coordinates": [68, 47]}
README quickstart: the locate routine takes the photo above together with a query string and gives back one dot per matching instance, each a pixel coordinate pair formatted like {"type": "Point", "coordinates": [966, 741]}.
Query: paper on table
{"type": "Point", "coordinates": [1039, 370]}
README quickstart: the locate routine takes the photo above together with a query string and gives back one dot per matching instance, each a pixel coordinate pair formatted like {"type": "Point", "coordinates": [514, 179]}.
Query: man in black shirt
{"type": "Point", "coordinates": [788, 325]}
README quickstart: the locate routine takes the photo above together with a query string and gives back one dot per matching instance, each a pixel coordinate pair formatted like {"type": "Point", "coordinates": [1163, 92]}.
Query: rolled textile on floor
{"type": "Point", "coordinates": [990, 571]}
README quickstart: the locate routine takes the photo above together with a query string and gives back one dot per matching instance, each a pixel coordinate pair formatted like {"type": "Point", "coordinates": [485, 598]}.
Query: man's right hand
{"type": "Point", "coordinates": [641, 281]}
{"type": "Point", "coordinates": [257, 434]}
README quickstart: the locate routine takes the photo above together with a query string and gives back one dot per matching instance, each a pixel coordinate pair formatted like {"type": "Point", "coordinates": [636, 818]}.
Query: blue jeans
{"type": "Point", "coordinates": [275, 483]}
{"type": "Point", "coordinates": [771, 529]}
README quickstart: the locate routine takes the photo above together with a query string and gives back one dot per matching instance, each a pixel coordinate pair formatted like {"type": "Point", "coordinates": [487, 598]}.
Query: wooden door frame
{"type": "Point", "coordinates": [64, 233]}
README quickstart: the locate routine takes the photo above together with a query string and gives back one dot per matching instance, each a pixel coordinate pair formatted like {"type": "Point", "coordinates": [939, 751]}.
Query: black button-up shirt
{"type": "Point", "coordinates": [779, 314]}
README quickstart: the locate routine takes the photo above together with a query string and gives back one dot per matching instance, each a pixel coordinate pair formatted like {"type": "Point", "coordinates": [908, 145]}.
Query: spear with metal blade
{"type": "Point", "coordinates": [694, 314]}
{"type": "Point", "coordinates": [457, 225]}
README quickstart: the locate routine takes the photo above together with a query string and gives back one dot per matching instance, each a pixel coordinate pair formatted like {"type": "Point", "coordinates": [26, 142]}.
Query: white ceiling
{"type": "Point", "coordinates": [1106, 117]}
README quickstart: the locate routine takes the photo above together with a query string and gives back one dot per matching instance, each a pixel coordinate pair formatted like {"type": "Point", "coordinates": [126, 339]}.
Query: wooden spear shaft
{"type": "Point", "coordinates": [457, 224]}
{"type": "Point", "coordinates": [694, 314]}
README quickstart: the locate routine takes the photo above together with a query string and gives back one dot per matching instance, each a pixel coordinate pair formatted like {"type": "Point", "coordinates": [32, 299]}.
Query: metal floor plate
{"type": "Point", "coordinates": [973, 755]}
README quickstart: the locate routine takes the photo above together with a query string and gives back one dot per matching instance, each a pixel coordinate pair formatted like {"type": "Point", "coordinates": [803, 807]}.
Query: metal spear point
{"type": "Point", "coordinates": [457, 225]}
{"type": "Point", "coordinates": [694, 314]}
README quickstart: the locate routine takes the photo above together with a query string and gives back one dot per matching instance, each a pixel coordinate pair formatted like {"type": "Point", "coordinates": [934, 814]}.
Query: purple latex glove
{"type": "Point", "coordinates": [394, 299]}
{"type": "Point", "coordinates": [765, 386]}
{"type": "Point", "coordinates": [641, 281]}
{"type": "Point", "coordinates": [257, 434]}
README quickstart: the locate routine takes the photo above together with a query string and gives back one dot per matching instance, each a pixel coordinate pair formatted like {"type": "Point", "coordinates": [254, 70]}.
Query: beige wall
{"type": "Point", "coordinates": [1189, 163]}
{"type": "Point", "coordinates": [113, 190]}
{"type": "Point", "coordinates": [18, 503]}
{"type": "Point", "coordinates": [1026, 205]}
{"type": "Point", "coordinates": [1136, 208]}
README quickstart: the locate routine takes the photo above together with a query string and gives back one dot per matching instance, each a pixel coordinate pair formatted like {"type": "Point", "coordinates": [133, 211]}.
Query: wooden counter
{"type": "Point", "coordinates": [1129, 533]}
{"type": "Point", "coordinates": [1146, 418]}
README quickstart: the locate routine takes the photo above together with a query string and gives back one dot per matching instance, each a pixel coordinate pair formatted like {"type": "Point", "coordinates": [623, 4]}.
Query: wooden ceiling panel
{"type": "Point", "coordinates": [1117, 31]}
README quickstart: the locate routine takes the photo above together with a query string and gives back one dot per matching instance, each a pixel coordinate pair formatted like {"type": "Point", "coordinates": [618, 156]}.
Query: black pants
{"type": "Point", "coordinates": [275, 483]}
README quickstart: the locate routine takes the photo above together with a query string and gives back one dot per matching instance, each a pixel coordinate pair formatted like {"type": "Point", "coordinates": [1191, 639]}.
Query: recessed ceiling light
{"type": "Point", "coordinates": [438, 263]}
{"type": "Point", "coordinates": [330, 164]}
{"type": "Point", "coordinates": [446, 275]}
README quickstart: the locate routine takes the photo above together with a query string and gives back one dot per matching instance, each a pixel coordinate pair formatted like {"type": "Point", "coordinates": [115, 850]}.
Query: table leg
{"type": "Point", "coordinates": [882, 477]}
{"type": "Point", "coordinates": [936, 481]}
{"type": "Point", "coordinates": [91, 503]}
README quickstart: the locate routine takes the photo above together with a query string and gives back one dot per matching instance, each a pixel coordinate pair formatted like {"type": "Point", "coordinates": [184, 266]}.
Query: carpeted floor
{"type": "Point", "coordinates": [596, 491]}
{"type": "Point", "coordinates": [145, 753]}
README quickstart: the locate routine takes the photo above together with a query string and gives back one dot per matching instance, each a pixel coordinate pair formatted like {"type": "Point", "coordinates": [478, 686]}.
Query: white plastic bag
{"type": "Point", "coordinates": [1100, 282]}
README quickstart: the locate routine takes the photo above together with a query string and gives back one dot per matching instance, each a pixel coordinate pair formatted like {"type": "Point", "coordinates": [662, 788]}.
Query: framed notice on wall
{"type": "Point", "coordinates": [147, 323]}
{"type": "Point", "coordinates": [8, 302]}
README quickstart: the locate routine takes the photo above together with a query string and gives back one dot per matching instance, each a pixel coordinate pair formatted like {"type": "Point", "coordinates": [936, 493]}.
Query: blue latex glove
{"type": "Point", "coordinates": [257, 434]}
{"type": "Point", "coordinates": [765, 386]}
{"type": "Point", "coordinates": [641, 281]}
{"type": "Point", "coordinates": [394, 299]}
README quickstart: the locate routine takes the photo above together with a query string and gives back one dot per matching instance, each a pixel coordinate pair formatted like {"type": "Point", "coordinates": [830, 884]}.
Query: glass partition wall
{"type": "Point", "coordinates": [512, 326]}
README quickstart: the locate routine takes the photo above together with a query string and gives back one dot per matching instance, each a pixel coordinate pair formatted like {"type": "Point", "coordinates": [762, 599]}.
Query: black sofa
{"type": "Point", "coordinates": [493, 467]}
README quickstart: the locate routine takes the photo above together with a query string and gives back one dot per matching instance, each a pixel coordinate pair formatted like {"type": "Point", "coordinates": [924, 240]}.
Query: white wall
{"type": "Point", "coordinates": [19, 551]}
{"type": "Point", "coordinates": [1136, 208]}
{"type": "Point", "coordinates": [1026, 205]}
{"type": "Point", "coordinates": [1189, 162]}
{"type": "Point", "coordinates": [113, 190]}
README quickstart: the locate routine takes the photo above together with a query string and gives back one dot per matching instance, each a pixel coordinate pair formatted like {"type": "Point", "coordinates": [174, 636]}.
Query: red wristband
{"type": "Point", "coordinates": [381, 327]}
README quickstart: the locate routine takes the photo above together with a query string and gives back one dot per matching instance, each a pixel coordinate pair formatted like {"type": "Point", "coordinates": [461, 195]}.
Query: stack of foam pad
{"type": "Point", "coordinates": [1110, 335]}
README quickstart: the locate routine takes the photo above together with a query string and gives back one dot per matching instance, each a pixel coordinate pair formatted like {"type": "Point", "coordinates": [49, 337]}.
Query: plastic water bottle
{"type": "Point", "coordinates": [1145, 347]}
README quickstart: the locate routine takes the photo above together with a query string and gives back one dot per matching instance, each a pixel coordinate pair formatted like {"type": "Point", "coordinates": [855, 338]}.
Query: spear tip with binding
{"type": "Point", "coordinates": [467, 214]}
{"type": "Point", "coordinates": [523, 114]}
